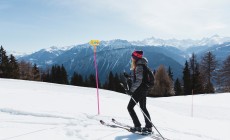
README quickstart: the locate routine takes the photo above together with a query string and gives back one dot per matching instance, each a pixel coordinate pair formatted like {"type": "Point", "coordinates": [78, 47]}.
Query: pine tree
{"type": "Point", "coordinates": [4, 64]}
{"type": "Point", "coordinates": [77, 80]}
{"type": "Point", "coordinates": [193, 64]}
{"type": "Point", "coordinates": [53, 74]}
{"type": "Point", "coordinates": [111, 82]}
{"type": "Point", "coordinates": [208, 66]}
{"type": "Point", "coordinates": [187, 79]}
{"type": "Point", "coordinates": [178, 88]}
{"type": "Point", "coordinates": [59, 75]}
{"type": "Point", "coordinates": [64, 76]}
{"type": "Point", "coordinates": [13, 68]}
{"type": "Point", "coordinates": [46, 77]}
{"type": "Point", "coordinates": [117, 82]}
{"type": "Point", "coordinates": [35, 73]}
{"type": "Point", "coordinates": [198, 87]}
{"type": "Point", "coordinates": [170, 73]}
{"type": "Point", "coordinates": [92, 81]}
{"type": "Point", "coordinates": [196, 79]}
{"type": "Point", "coordinates": [80, 80]}
{"type": "Point", "coordinates": [224, 75]}
{"type": "Point", "coordinates": [86, 81]}
{"type": "Point", "coordinates": [74, 79]}
{"type": "Point", "coordinates": [105, 85]}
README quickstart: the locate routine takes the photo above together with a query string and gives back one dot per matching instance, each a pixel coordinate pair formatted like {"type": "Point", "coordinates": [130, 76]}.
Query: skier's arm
{"type": "Point", "coordinates": [139, 77]}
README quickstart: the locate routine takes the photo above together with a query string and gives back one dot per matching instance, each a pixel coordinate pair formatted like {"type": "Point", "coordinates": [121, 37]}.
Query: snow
{"type": "Point", "coordinates": [18, 54]}
{"type": "Point", "coordinates": [39, 111]}
{"type": "Point", "coordinates": [54, 48]}
{"type": "Point", "coordinates": [49, 62]}
{"type": "Point", "coordinates": [184, 43]}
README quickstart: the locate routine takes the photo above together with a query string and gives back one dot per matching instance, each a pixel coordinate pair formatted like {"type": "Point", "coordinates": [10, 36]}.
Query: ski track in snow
{"type": "Point", "coordinates": [16, 112]}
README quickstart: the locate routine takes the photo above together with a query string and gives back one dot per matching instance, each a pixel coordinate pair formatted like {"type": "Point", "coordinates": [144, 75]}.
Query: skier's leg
{"type": "Point", "coordinates": [132, 112]}
{"type": "Point", "coordinates": [144, 109]}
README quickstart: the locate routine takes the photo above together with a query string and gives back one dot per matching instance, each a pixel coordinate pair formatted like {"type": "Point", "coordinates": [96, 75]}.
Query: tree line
{"type": "Point", "coordinates": [198, 76]}
{"type": "Point", "coordinates": [11, 68]}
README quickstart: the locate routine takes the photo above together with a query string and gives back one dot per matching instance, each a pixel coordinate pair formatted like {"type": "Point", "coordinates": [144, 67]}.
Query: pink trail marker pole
{"type": "Point", "coordinates": [95, 64]}
{"type": "Point", "coordinates": [95, 43]}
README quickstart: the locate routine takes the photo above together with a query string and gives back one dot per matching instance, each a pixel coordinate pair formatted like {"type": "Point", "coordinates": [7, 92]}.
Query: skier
{"type": "Point", "coordinates": [138, 91]}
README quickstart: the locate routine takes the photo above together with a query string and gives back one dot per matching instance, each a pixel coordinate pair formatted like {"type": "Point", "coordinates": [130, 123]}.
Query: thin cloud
{"type": "Point", "coordinates": [44, 23]}
{"type": "Point", "coordinates": [178, 17]}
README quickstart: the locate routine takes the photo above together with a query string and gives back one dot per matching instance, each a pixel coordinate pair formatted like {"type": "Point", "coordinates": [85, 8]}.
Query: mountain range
{"type": "Point", "coordinates": [114, 55]}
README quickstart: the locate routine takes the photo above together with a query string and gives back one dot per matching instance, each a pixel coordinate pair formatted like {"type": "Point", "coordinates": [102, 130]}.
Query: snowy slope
{"type": "Point", "coordinates": [44, 111]}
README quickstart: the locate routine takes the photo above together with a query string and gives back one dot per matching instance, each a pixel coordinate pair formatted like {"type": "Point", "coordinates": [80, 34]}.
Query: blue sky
{"type": "Point", "coordinates": [30, 25]}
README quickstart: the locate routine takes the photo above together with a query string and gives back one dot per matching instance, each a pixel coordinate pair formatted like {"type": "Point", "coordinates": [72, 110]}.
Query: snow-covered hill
{"type": "Point", "coordinates": [44, 111]}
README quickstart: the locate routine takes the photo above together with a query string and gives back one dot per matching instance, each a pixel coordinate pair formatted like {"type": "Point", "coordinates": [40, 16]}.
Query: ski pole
{"type": "Point", "coordinates": [126, 89]}
{"type": "Point", "coordinates": [147, 117]}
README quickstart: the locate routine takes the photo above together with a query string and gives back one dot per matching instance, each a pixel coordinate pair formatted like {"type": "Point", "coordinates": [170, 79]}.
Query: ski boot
{"type": "Point", "coordinates": [135, 129]}
{"type": "Point", "coordinates": [147, 130]}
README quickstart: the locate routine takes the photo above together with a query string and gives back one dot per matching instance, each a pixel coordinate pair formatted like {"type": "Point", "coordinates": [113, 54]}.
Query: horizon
{"type": "Point", "coordinates": [19, 53]}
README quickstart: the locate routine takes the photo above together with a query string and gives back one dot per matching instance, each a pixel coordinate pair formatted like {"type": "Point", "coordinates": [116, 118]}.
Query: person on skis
{"type": "Point", "coordinates": [138, 90]}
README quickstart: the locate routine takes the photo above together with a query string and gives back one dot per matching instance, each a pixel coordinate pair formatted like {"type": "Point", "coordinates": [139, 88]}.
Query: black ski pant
{"type": "Point", "coordinates": [140, 97]}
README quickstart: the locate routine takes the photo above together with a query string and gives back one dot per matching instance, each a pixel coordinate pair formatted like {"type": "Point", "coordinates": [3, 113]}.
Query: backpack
{"type": "Point", "coordinates": [148, 77]}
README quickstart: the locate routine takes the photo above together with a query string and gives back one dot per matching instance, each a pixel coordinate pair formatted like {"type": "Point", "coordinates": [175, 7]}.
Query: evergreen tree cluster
{"type": "Point", "coordinates": [57, 74]}
{"type": "Point", "coordinates": [78, 80]}
{"type": "Point", "coordinates": [198, 78]}
{"type": "Point", "coordinates": [113, 83]}
{"type": "Point", "coordinates": [9, 67]}
{"type": "Point", "coordinates": [223, 76]}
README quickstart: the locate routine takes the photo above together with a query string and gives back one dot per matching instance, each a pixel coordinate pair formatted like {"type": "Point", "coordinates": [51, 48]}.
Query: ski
{"type": "Point", "coordinates": [122, 127]}
{"type": "Point", "coordinates": [113, 126]}
{"type": "Point", "coordinates": [127, 129]}
{"type": "Point", "coordinates": [152, 135]}
{"type": "Point", "coordinates": [128, 126]}
{"type": "Point", "coordinates": [119, 123]}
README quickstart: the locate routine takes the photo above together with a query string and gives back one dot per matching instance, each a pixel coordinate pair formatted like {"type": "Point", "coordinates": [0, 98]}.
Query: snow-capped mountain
{"type": "Point", "coordinates": [45, 56]}
{"type": "Point", "coordinates": [58, 50]}
{"type": "Point", "coordinates": [17, 54]}
{"type": "Point", "coordinates": [214, 40]}
{"type": "Point", "coordinates": [183, 44]}
{"type": "Point", "coordinates": [114, 55]}
{"type": "Point", "coordinates": [180, 44]}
